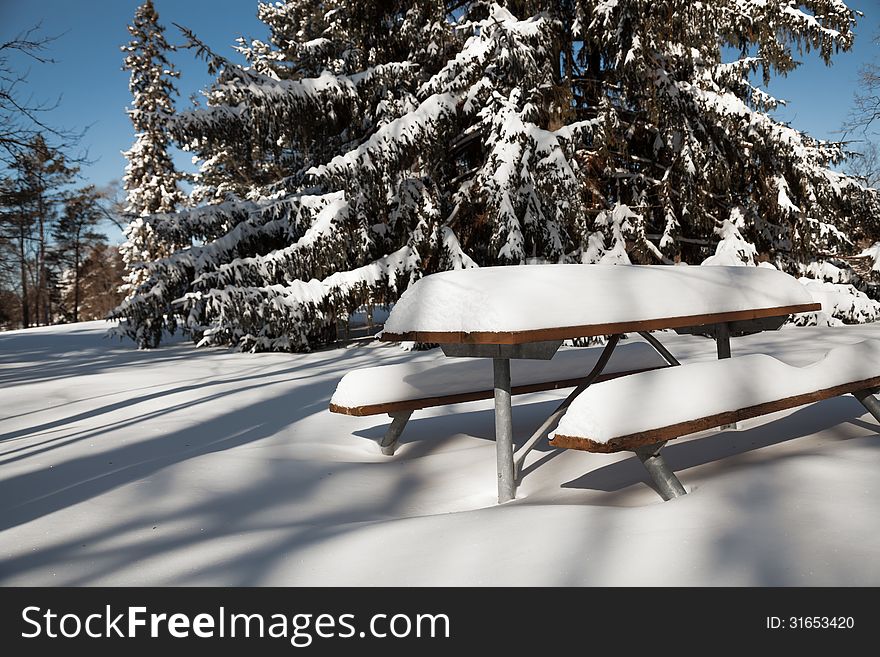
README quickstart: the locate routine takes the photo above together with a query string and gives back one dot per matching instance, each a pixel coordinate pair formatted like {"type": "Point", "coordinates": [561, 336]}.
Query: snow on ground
{"type": "Point", "coordinates": [181, 466]}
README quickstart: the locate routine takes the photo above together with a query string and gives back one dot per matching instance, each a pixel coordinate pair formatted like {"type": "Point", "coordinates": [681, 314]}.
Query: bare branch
{"type": "Point", "coordinates": [21, 115]}
{"type": "Point", "coordinates": [864, 164]}
{"type": "Point", "coordinates": [866, 105]}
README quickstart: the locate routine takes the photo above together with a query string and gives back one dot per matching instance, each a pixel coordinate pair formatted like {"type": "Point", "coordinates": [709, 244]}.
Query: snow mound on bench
{"type": "Point", "coordinates": [534, 297]}
{"type": "Point", "coordinates": [652, 400]}
{"type": "Point", "coordinates": [450, 376]}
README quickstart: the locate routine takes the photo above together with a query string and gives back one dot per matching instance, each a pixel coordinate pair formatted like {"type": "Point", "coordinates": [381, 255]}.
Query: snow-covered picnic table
{"type": "Point", "coordinates": [529, 303]}
{"type": "Point", "coordinates": [527, 311]}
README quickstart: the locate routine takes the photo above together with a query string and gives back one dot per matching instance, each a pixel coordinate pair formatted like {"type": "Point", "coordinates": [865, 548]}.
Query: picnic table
{"type": "Point", "coordinates": [527, 311]}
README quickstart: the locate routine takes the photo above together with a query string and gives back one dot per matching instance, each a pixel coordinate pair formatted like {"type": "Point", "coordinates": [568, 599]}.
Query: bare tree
{"type": "Point", "coordinates": [112, 203]}
{"type": "Point", "coordinates": [864, 163]}
{"type": "Point", "coordinates": [866, 109]}
{"type": "Point", "coordinates": [864, 160]}
{"type": "Point", "coordinates": [21, 115]}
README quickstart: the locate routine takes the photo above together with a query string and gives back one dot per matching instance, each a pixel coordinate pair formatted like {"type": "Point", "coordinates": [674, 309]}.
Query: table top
{"type": "Point", "coordinates": [531, 303]}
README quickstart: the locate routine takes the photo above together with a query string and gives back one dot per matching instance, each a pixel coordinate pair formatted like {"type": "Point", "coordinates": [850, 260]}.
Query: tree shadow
{"type": "Point", "coordinates": [34, 494]}
{"type": "Point", "coordinates": [165, 391]}
{"type": "Point", "coordinates": [283, 395]}
{"type": "Point", "coordinates": [30, 356]}
{"type": "Point", "coordinates": [267, 508]}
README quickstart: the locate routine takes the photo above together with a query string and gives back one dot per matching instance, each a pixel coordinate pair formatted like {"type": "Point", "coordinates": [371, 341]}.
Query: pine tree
{"type": "Point", "coordinates": [16, 229]}
{"type": "Point", "coordinates": [30, 198]}
{"type": "Point", "coordinates": [151, 181]}
{"type": "Point", "coordinates": [367, 144]}
{"type": "Point", "coordinates": [100, 274]}
{"type": "Point", "coordinates": [75, 236]}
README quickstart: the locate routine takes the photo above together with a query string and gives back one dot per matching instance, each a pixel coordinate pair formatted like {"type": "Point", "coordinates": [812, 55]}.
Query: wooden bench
{"type": "Point", "coordinates": [400, 389]}
{"type": "Point", "coordinates": [640, 413]}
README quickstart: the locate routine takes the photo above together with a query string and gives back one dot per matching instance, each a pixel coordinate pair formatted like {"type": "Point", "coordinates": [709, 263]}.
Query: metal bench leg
{"type": "Point", "coordinates": [392, 435]}
{"type": "Point", "coordinates": [667, 483]}
{"type": "Point", "coordinates": [869, 401]}
{"type": "Point", "coordinates": [503, 430]}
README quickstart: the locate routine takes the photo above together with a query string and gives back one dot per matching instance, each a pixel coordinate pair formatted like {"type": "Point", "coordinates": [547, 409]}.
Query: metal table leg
{"type": "Point", "coordinates": [722, 346]}
{"type": "Point", "coordinates": [722, 340]}
{"type": "Point", "coordinates": [503, 430]}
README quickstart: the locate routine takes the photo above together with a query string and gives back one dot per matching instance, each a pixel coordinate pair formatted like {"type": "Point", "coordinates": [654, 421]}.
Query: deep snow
{"type": "Point", "coordinates": [185, 466]}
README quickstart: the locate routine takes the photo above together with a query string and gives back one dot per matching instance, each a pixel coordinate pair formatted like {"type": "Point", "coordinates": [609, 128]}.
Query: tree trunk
{"type": "Point", "coordinates": [42, 301]}
{"type": "Point", "coordinates": [76, 281]}
{"type": "Point", "coordinates": [22, 263]}
{"type": "Point", "coordinates": [594, 90]}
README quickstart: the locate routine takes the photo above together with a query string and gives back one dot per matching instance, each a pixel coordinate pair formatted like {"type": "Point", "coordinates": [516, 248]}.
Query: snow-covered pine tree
{"type": "Point", "coordinates": [367, 144]}
{"type": "Point", "coordinates": [151, 181]}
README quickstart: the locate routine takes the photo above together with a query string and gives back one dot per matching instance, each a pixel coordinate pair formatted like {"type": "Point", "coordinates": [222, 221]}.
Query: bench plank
{"type": "Point", "coordinates": [673, 431]}
{"type": "Point", "coordinates": [413, 386]}
{"type": "Point", "coordinates": [655, 407]}
{"type": "Point", "coordinates": [428, 402]}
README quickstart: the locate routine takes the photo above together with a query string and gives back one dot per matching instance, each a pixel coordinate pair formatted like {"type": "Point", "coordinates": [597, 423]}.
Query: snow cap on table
{"type": "Point", "coordinates": [534, 297]}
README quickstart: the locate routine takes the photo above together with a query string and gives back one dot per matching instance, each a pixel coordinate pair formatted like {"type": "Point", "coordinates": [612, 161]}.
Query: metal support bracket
{"type": "Point", "coordinates": [529, 350]}
{"type": "Point", "coordinates": [659, 348]}
{"type": "Point", "coordinates": [738, 327]}
{"type": "Point", "coordinates": [661, 474]}
{"type": "Point", "coordinates": [392, 434]}
{"type": "Point", "coordinates": [541, 432]}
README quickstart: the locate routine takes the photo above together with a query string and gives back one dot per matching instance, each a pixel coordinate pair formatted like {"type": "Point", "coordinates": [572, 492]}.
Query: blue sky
{"type": "Point", "coordinates": [88, 73]}
{"type": "Point", "coordinates": [94, 93]}
{"type": "Point", "coordinates": [820, 97]}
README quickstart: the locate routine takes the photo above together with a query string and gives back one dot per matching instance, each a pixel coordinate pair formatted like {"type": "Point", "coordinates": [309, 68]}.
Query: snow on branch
{"type": "Point", "coordinates": [365, 145]}
{"type": "Point", "coordinates": [287, 317]}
